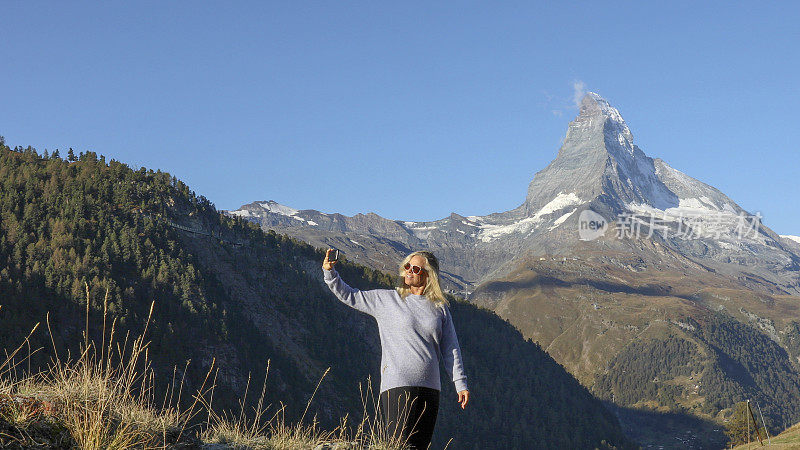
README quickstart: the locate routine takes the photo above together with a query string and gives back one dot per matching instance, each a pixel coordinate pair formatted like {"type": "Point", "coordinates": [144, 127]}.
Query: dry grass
{"type": "Point", "coordinates": [103, 397]}
{"type": "Point", "coordinates": [271, 431]}
{"type": "Point", "coordinates": [257, 433]}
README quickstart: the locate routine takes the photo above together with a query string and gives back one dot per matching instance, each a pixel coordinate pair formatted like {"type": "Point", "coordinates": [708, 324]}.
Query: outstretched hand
{"type": "Point", "coordinates": [463, 398]}
{"type": "Point", "coordinates": [326, 263]}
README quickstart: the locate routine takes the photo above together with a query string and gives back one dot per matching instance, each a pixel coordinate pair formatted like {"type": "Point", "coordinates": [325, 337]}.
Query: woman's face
{"type": "Point", "coordinates": [416, 279]}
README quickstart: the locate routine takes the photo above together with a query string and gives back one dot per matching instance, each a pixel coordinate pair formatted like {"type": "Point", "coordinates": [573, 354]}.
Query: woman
{"type": "Point", "coordinates": [416, 331]}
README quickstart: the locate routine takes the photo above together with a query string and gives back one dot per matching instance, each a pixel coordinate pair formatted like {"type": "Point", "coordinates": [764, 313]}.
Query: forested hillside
{"type": "Point", "coordinates": [700, 369]}
{"type": "Point", "coordinates": [719, 361]}
{"type": "Point", "coordinates": [224, 289]}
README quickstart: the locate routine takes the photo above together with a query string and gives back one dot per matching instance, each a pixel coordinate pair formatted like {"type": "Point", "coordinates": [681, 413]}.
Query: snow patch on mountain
{"type": "Point", "coordinates": [686, 207]}
{"type": "Point", "coordinates": [560, 202]}
{"type": "Point", "coordinates": [791, 238]}
{"type": "Point", "coordinates": [490, 232]}
{"type": "Point", "coordinates": [699, 218]}
{"type": "Point", "coordinates": [277, 208]}
{"type": "Point", "coordinates": [561, 219]}
{"type": "Point", "coordinates": [420, 231]}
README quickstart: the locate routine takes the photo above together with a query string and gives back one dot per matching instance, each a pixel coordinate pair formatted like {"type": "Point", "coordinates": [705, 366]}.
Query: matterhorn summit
{"type": "Point", "coordinates": [599, 158]}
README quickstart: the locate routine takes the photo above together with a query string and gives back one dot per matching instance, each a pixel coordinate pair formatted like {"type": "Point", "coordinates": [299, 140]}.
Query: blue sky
{"type": "Point", "coordinates": [405, 109]}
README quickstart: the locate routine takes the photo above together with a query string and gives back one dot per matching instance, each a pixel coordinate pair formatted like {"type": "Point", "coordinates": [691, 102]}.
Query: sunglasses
{"type": "Point", "coordinates": [414, 269]}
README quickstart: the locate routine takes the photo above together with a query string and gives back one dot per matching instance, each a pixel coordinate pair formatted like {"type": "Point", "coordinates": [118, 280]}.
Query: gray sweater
{"type": "Point", "coordinates": [415, 335]}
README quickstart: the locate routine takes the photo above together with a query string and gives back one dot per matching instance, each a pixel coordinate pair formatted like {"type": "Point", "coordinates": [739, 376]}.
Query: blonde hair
{"type": "Point", "coordinates": [432, 289]}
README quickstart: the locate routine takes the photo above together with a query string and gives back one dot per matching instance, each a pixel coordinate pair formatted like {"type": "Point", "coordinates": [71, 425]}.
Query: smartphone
{"type": "Point", "coordinates": [333, 255]}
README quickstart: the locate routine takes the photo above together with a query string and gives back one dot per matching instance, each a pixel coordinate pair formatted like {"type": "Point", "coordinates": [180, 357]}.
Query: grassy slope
{"type": "Point", "coordinates": [788, 439]}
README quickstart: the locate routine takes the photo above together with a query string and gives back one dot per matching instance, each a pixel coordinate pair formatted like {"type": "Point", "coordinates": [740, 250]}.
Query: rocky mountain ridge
{"type": "Point", "coordinates": [598, 168]}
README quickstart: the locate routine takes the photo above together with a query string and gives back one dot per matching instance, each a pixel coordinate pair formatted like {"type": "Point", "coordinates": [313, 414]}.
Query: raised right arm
{"type": "Point", "coordinates": [364, 301]}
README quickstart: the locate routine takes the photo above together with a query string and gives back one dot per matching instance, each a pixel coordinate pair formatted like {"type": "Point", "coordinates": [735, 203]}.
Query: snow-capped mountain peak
{"type": "Point", "coordinates": [598, 158]}
{"type": "Point", "coordinates": [594, 107]}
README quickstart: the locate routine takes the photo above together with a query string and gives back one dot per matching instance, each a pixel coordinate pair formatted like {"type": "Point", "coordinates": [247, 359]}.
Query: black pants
{"type": "Point", "coordinates": [409, 412]}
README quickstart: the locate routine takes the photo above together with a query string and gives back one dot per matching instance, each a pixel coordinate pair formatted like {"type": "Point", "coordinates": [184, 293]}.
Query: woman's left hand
{"type": "Point", "coordinates": [327, 264]}
{"type": "Point", "coordinates": [463, 398]}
